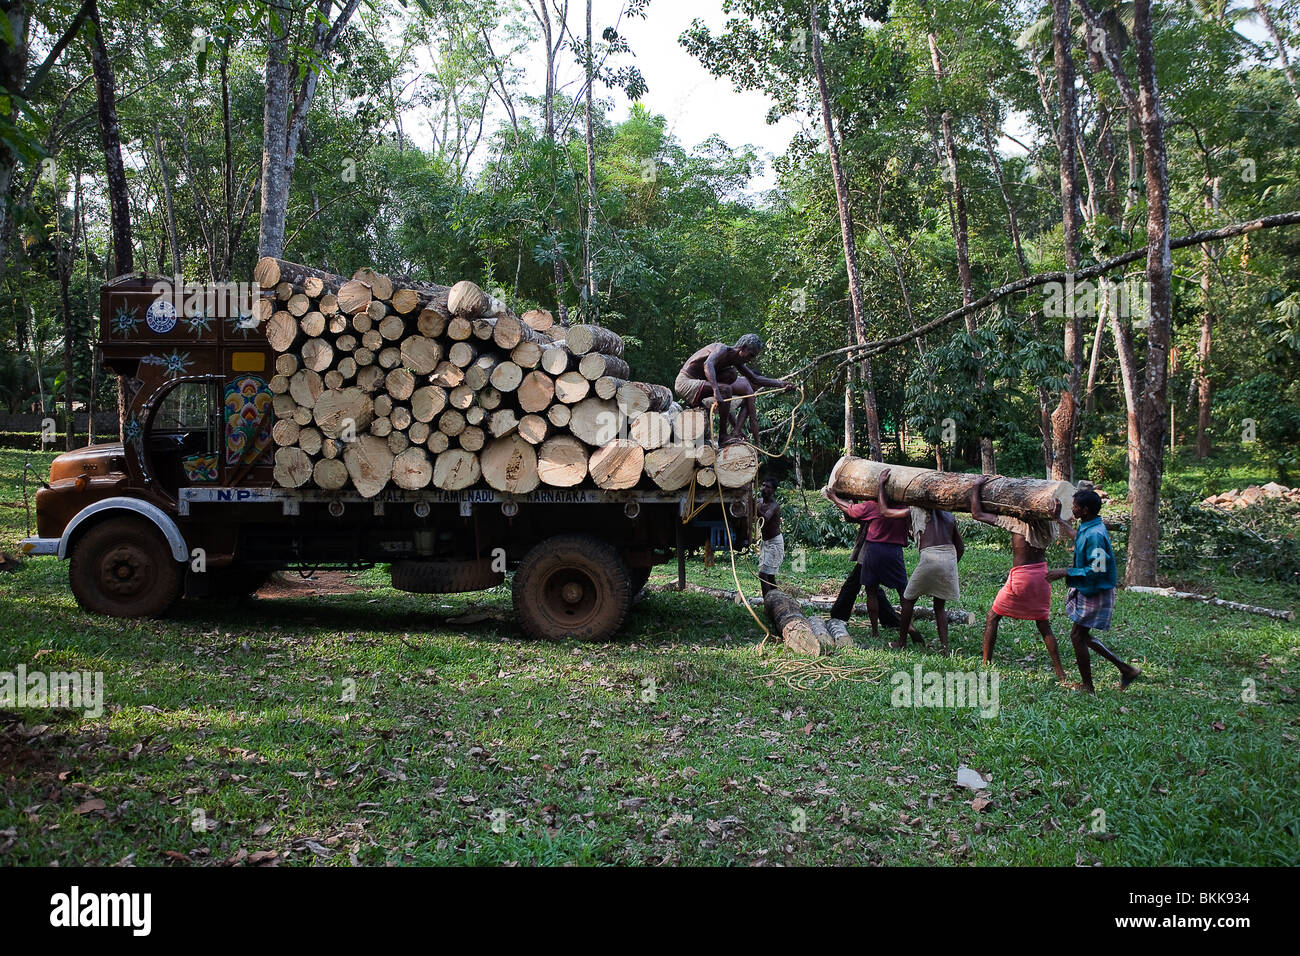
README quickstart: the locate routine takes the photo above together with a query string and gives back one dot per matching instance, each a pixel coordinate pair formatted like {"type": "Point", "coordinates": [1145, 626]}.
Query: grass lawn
{"type": "Point", "coordinates": [228, 731]}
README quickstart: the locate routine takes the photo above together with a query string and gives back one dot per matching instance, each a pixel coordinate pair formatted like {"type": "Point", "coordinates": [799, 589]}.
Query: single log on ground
{"type": "Point", "coordinates": [412, 469]}
{"type": "Point", "coordinates": [347, 410]}
{"type": "Point", "coordinates": [857, 478]}
{"type": "Point", "coordinates": [536, 392]}
{"type": "Point", "coordinates": [787, 617]}
{"type": "Point", "coordinates": [510, 465]}
{"type": "Point", "coordinates": [737, 465]}
{"type": "Point", "coordinates": [594, 421]}
{"type": "Point", "coordinates": [596, 365]}
{"type": "Point", "coordinates": [583, 339]}
{"type": "Point", "coordinates": [670, 467]}
{"type": "Point", "coordinates": [823, 634]}
{"type": "Point", "coordinates": [617, 465]}
{"type": "Point", "coordinates": [562, 462]}
{"type": "Point", "coordinates": [1276, 614]}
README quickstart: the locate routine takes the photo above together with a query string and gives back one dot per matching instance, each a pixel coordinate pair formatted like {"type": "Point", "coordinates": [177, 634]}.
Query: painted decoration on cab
{"type": "Point", "coordinates": [200, 468]}
{"type": "Point", "coordinates": [248, 421]}
{"type": "Point", "coordinates": [161, 317]}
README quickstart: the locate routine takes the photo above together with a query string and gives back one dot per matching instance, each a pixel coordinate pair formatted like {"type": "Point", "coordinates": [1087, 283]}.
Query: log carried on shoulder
{"type": "Point", "coordinates": [1025, 498]}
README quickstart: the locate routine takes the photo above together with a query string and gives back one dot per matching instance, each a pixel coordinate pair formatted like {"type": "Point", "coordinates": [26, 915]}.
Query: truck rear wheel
{"type": "Point", "coordinates": [123, 567]}
{"type": "Point", "coordinates": [572, 586]}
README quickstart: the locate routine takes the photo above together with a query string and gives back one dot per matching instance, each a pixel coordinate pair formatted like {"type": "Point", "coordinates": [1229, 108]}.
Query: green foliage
{"type": "Point", "coordinates": [1260, 542]}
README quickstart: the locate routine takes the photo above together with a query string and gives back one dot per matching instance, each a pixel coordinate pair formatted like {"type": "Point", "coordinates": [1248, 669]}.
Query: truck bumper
{"type": "Point", "coordinates": [35, 547]}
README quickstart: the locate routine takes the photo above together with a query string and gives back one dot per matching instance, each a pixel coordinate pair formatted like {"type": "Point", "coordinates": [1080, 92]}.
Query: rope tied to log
{"type": "Point", "coordinates": [802, 674]}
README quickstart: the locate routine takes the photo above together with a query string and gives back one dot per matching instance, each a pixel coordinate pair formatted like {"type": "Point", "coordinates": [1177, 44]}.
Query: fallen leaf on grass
{"type": "Point", "coordinates": [90, 806]}
{"type": "Point", "coordinates": [980, 804]}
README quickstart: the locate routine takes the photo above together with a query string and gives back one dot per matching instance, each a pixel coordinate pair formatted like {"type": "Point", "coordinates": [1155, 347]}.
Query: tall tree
{"type": "Point", "coordinates": [844, 204]}
{"type": "Point", "coordinates": [1065, 418]}
{"type": "Point", "coordinates": [283, 121]}
{"type": "Point", "coordinates": [1144, 102]}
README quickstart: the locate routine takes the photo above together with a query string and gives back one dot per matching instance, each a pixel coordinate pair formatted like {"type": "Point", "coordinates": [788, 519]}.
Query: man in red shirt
{"type": "Point", "coordinates": [878, 554]}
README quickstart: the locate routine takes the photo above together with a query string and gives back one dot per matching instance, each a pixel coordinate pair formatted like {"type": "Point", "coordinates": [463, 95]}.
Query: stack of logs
{"type": "Point", "coordinates": [383, 379]}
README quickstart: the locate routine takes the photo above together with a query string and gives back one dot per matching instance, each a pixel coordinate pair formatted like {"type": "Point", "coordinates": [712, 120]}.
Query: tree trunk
{"type": "Point", "coordinates": [588, 266]}
{"type": "Point", "coordinates": [173, 246]}
{"type": "Point", "coordinates": [1204, 391]}
{"type": "Point", "coordinates": [850, 242]}
{"type": "Point", "coordinates": [1262, 9]}
{"type": "Point", "coordinates": [110, 134]}
{"type": "Point", "coordinates": [1064, 419]}
{"type": "Point", "coordinates": [1144, 497]}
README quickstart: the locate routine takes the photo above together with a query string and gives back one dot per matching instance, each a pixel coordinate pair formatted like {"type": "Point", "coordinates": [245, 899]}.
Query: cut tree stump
{"type": "Point", "coordinates": [787, 617]}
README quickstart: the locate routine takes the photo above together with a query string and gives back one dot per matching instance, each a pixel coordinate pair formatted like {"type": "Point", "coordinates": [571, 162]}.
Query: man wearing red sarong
{"type": "Point", "coordinates": [1027, 596]}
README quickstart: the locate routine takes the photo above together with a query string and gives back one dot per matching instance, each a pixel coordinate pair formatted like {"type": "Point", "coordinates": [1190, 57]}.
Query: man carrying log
{"type": "Point", "coordinates": [1090, 601]}
{"type": "Point", "coordinates": [940, 545]}
{"type": "Point", "coordinates": [878, 563]}
{"type": "Point", "coordinates": [721, 372]}
{"type": "Point", "coordinates": [1026, 596]}
{"type": "Point", "coordinates": [772, 551]}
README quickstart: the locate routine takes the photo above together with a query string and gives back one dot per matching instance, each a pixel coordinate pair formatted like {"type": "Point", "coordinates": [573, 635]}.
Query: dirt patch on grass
{"type": "Point", "coordinates": [290, 584]}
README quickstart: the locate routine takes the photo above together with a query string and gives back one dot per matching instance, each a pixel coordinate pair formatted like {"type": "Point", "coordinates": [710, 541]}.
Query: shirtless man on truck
{"type": "Point", "coordinates": [722, 372]}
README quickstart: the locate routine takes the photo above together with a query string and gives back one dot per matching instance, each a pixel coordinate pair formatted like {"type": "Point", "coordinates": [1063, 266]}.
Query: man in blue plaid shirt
{"type": "Point", "coordinates": [1090, 602]}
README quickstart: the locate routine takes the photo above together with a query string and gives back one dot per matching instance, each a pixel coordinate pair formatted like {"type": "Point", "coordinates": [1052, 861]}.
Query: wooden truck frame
{"type": "Point", "coordinates": [186, 504]}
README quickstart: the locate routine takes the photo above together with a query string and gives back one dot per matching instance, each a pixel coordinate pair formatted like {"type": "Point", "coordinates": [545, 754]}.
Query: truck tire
{"type": "Point", "coordinates": [572, 586]}
{"type": "Point", "coordinates": [445, 577]}
{"type": "Point", "coordinates": [123, 567]}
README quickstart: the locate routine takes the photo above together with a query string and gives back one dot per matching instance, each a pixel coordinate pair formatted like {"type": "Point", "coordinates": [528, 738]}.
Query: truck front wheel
{"type": "Point", "coordinates": [123, 567]}
{"type": "Point", "coordinates": [572, 586]}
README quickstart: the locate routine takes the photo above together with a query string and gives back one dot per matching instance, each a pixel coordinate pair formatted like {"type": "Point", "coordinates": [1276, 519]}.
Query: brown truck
{"type": "Point", "coordinates": [186, 504]}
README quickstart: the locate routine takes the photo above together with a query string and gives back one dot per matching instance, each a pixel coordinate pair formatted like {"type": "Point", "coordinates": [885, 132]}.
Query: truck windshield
{"type": "Point", "coordinates": [182, 439]}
